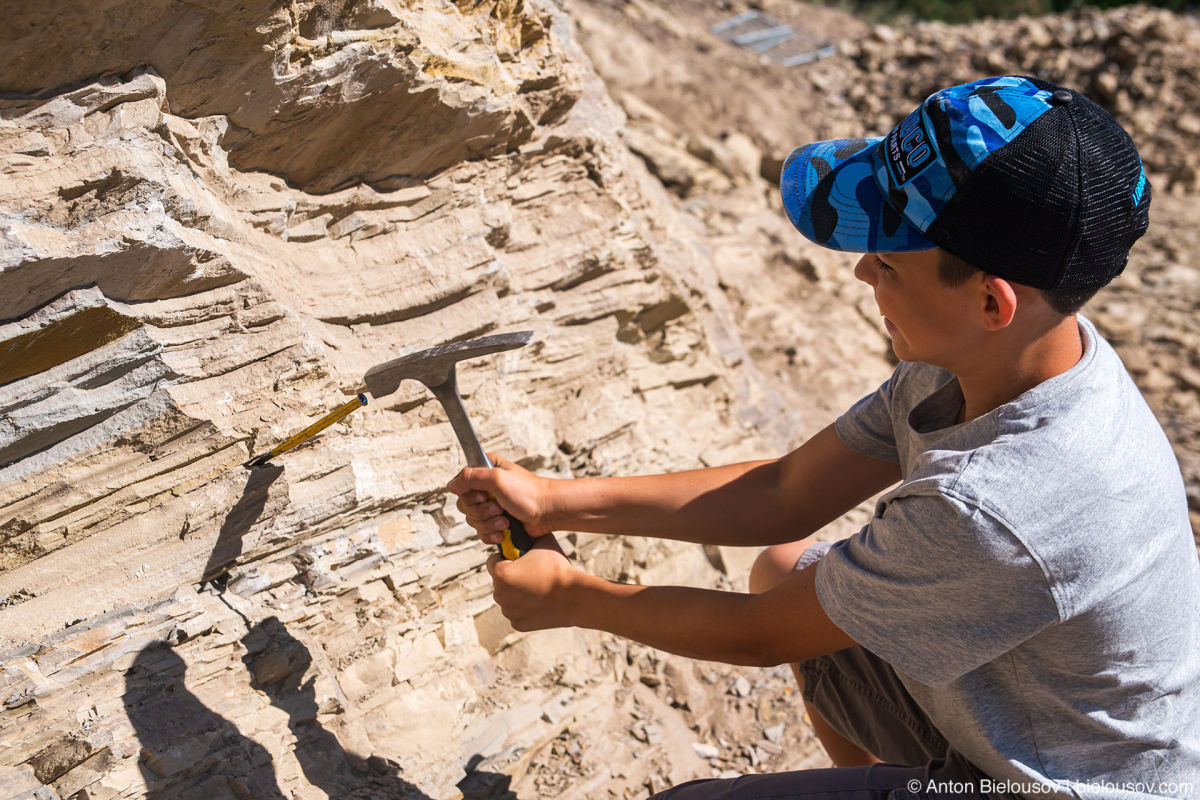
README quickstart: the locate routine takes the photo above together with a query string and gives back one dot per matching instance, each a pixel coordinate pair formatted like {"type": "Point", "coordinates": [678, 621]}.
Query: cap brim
{"type": "Point", "coordinates": [830, 194]}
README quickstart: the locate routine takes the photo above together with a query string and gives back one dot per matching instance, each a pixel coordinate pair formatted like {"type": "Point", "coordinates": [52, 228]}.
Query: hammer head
{"type": "Point", "coordinates": [435, 366]}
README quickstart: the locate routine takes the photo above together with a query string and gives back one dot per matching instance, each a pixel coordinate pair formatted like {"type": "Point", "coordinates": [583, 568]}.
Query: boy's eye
{"type": "Point", "coordinates": [879, 263]}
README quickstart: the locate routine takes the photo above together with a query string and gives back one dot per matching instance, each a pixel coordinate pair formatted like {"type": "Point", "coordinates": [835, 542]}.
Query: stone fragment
{"type": "Point", "coordinates": [346, 226]}
{"type": "Point", "coordinates": [54, 761]}
{"type": "Point", "coordinates": [769, 747]}
{"type": "Point", "coordinates": [373, 14]}
{"type": "Point", "coordinates": [647, 731]}
{"type": "Point", "coordinates": [309, 230]}
{"type": "Point", "coordinates": [685, 689]}
{"type": "Point", "coordinates": [678, 171]}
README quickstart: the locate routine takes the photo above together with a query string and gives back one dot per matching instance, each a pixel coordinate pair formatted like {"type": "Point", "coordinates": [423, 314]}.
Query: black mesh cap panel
{"type": "Point", "coordinates": [1016, 216]}
{"type": "Point", "coordinates": [1111, 222]}
{"type": "Point", "coordinates": [1054, 208]}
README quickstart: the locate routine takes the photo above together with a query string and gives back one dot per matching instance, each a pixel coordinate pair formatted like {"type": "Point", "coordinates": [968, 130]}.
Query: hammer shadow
{"type": "Point", "coordinates": [240, 519]}
{"type": "Point", "coordinates": [188, 748]}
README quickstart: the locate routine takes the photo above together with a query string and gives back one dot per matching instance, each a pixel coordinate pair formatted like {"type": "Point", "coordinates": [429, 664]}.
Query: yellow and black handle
{"type": "Point", "coordinates": [516, 541]}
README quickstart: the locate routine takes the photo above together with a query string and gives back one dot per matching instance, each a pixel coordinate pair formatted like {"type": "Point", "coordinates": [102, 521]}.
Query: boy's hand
{"type": "Point", "coordinates": [533, 591]}
{"type": "Point", "coordinates": [517, 491]}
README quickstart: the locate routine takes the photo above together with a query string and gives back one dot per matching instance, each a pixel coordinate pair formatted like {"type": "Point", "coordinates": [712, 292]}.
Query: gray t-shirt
{"type": "Point", "coordinates": [1033, 579]}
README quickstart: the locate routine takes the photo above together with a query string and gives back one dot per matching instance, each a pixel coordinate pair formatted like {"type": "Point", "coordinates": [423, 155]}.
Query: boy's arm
{"type": "Point", "coordinates": [755, 503]}
{"type": "Point", "coordinates": [786, 624]}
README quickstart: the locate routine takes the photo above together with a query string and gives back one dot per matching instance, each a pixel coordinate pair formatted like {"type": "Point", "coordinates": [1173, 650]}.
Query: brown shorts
{"type": "Point", "coordinates": [862, 698]}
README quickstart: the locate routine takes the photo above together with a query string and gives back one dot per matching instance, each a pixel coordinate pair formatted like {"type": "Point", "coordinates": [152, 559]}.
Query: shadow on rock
{"type": "Point", "coordinates": [240, 519]}
{"type": "Point", "coordinates": [187, 748]}
{"type": "Point", "coordinates": [280, 664]}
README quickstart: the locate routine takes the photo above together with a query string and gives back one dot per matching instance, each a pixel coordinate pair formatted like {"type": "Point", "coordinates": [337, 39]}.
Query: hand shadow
{"type": "Point", "coordinates": [185, 743]}
{"type": "Point", "coordinates": [278, 661]}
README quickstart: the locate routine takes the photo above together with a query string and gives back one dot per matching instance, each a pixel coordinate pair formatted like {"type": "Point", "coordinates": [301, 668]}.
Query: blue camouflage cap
{"type": "Point", "coordinates": [1019, 177]}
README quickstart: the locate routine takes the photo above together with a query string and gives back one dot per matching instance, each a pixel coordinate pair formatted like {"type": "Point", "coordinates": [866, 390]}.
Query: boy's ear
{"type": "Point", "coordinates": [1000, 300]}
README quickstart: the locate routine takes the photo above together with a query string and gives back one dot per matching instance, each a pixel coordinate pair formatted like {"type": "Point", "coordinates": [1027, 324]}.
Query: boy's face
{"type": "Point", "coordinates": [927, 321]}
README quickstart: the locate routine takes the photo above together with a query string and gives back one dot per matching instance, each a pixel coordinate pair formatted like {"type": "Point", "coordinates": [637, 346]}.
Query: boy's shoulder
{"type": "Point", "coordinates": [1084, 434]}
{"type": "Point", "coordinates": [1076, 467]}
{"type": "Point", "coordinates": [1080, 408]}
{"type": "Point", "coordinates": [1090, 423]}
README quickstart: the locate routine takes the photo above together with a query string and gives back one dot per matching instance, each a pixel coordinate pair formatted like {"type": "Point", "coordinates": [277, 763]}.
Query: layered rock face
{"type": "Point", "coordinates": [216, 218]}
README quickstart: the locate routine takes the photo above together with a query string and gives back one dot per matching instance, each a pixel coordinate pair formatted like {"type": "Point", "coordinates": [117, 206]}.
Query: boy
{"type": "Point", "coordinates": [1019, 617]}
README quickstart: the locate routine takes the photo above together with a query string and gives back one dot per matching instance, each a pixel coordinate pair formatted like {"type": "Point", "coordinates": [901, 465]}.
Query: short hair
{"type": "Point", "coordinates": [954, 271]}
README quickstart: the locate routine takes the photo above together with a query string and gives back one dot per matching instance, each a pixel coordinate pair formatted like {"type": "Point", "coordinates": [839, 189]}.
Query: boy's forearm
{"type": "Point", "coordinates": [783, 625]}
{"type": "Point", "coordinates": [755, 503]}
{"type": "Point", "coordinates": [787, 623]}
{"type": "Point", "coordinates": [696, 623]}
{"type": "Point", "coordinates": [731, 505]}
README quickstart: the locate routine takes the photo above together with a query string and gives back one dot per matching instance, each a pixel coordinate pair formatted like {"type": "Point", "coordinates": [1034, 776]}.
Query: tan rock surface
{"type": "Point", "coordinates": [323, 93]}
{"type": "Point", "coordinates": [182, 289]}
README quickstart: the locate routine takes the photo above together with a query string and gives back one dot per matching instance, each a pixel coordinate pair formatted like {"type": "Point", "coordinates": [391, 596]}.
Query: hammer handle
{"type": "Point", "coordinates": [516, 541]}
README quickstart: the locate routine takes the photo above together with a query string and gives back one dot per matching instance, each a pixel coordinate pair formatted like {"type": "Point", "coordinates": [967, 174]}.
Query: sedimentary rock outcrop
{"type": "Point", "coordinates": [215, 218]}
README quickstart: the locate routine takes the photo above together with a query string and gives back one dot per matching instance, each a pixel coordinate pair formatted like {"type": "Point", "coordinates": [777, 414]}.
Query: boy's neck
{"type": "Point", "coordinates": [1012, 363]}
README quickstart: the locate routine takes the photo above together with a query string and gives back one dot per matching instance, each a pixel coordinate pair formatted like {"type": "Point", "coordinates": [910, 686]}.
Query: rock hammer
{"type": "Point", "coordinates": [435, 368]}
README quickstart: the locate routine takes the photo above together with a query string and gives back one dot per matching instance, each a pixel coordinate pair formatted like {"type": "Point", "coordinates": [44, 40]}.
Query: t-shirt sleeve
{"type": "Point", "coordinates": [867, 426]}
{"type": "Point", "coordinates": [936, 587]}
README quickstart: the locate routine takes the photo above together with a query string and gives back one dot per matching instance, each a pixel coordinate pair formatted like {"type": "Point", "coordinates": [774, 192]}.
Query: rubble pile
{"type": "Point", "coordinates": [1141, 64]}
{"type": "Point", "coordinates": [673, 717]}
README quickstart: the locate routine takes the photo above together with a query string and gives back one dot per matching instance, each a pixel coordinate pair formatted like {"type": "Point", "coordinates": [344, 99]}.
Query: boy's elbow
{"type": "Point", "coordinates": [772, 641]}
{"type": "Point", "coordinates": [751, 654]}
{"type": "Point", "coordinates": [776, 653]}
{"type": "Point", "coordinates": [767, 644]}
{"type": "Point", "coordinates": [765, 659]}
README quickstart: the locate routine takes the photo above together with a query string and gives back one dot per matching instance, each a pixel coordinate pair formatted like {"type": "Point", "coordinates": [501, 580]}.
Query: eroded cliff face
{"type": "Point", "coordinates": [324, 94]}
{"type": "Point", "coordinates": [216, 217]}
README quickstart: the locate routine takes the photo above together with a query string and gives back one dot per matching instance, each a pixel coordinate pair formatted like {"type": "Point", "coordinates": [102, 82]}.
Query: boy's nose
{"type": "Point", "coordinates": [863, 271]}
